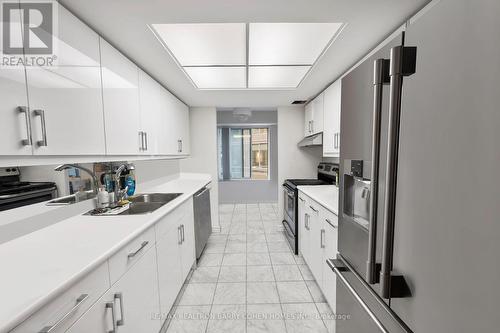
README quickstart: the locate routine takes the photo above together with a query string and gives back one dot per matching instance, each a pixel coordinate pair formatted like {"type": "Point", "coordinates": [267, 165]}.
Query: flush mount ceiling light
{"type": "Point", "coordinates": [246, 55]}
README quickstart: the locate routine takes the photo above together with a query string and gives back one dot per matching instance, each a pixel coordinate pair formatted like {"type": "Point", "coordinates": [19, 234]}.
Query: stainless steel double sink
{"type": "Point", "coordinates": [139, 204]}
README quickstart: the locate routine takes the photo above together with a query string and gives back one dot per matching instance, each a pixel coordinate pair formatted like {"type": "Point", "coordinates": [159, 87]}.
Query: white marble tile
{"type": "Point", "coordinates": [282, 258]}
{"type": "Point", "coordinates": [236, 247]}
{"type": "Point", "coordinates": [315, 291]}
{"type": "Point", "coordinates": [258, 259]}
{"type": "Point", "coordinates": [275, 237]}
{"type": "Point", "coordinates": [205, 274]}
{"type": "Point", "coordinates": [287, 273]}
{"type": "Point", "coordinates": [299, 260]}
{"type": "Point", "coordinates": [294, 292]}
{"type": "Point", "coordinates": [257, 247]}
{"type": "Point", "coordinates": [238, 229]}
{"type": "Point", "coordinates": [216, 238]}
{"type": "Point", "coordinates": [198, 294]}
{"type": "Point", "coordinates": [237, 237]}
{"type": "Point", "coordinates": [306, 272]}
{"type": "Point", "coordinates": [255, 229]}
{"type": "Point", "coordinates": [303, 317]}
{"type": "Point", "coordinates": [260, 273]}
{"type": "Point", "coordinates": [210, 259]}
{"type": "Point", "coordinates": [230, 293]}
{"type": "Point", "coordinates": [227, 319]}
{"type": "Point", "coordinates": [327, 316]}
{"type": "Point", "coordinates": [262, 292]}
{"type": "Point", "coordinates": [226, 208]}
{"type": "Point", "coordinates": [189, 319]}
{"type": "Point", "coordinates": [232, 274]}
{"type": "Point", "coordinates": [234, 259]}
{"type": "Point", "coordinates": [214, 248]}
{"type": "Point", "coordinates": [265, 318]}
{"type": "Point", "coordinates": [256, 238]}
{"type": "Point", "coordinates": [281, 246]}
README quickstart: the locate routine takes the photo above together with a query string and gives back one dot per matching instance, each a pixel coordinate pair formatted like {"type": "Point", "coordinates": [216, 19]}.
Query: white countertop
{"type": "Point", "coordinates": [38, 266]}
{"type": "Point", "coordinates": [326, 195]}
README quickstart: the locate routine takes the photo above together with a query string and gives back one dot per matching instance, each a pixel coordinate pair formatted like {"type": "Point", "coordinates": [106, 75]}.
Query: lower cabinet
{"type": "Point", "coordinates": [131, 305]}
{"type": "Point", "coordinates": [318, 243]}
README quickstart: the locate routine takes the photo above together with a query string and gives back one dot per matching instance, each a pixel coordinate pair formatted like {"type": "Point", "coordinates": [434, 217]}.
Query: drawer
{"type": "Point", "coordinates": [330, 217]}
{"type": "Point", "coordinates": [66, 308]}
{"type": "Point", "coordinates": [129, 254]}
{"type": "Point", "coordinates": [173, 219]}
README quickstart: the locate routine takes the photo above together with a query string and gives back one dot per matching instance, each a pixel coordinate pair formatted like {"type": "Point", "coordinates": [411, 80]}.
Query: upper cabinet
{"type": "Point", "coordinates": [331, 131]}
{"type": "Point", "coordinates": [314, 116]}
{"type": "Point", "coordinates": [89, 100]}
{"type": "Point", "coordinates": [65, 99]}
{"type": "Point", "coordinates": [120, 94]}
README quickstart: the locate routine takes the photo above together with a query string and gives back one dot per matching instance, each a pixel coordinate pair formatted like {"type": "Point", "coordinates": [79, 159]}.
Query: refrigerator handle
{"type": "Point", "coordinates": [380, 78]}
{"type": "Point", "coordinates": [403, 60]}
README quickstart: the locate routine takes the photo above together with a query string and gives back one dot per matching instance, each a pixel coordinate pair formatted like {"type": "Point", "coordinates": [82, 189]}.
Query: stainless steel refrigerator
{"type": "Point", "coordinates": [419, 224]}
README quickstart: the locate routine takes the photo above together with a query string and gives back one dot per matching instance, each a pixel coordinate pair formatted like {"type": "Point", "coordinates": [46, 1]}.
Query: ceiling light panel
{"type": "Point", "coordinates": [289, 43]}
{"type": "Point", "coordinates": [276, 77]}
{"type": "Point", "coordinates": [217, 77]}
{"type": "Point", "coordinates": [205, 44]}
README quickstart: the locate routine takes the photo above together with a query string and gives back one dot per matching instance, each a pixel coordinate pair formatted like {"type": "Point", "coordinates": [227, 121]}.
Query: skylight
{"type": "Point", "coordinates": [246, 55]}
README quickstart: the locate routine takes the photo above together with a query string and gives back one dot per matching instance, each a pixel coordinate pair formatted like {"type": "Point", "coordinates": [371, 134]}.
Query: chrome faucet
{"type": "Point", "coordinates": [120, 194]}
{"type": "Point", "coordinates": [95, 184]}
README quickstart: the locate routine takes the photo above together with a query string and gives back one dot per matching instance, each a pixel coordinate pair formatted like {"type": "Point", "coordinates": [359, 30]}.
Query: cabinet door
{"type": "Point", "coordinates": [139, 301]}
{"type": "Point", "coordinates": [65, 99]}
{"type": "Point", "coordinates": [182, 128]}
{"type": "Point", "coordinates": [169, 267]}
{"type": "Point", "coordinates": [308, 119]}
{"type": "Point", "coordinates": [100, 318]}
{"type": "Point", "coordinates": [120, 89]}
{"type": "Point", "coordinates": [317, 120]}
{"type": "Point", "coordinates": [15, 135]}
{"type": "Point", "coordinates": [331, 126]}
{"type": "Point", "coordinates": [188, 250]}
{"type": "Point", "coordinates": [303, 233]}
{"type": "Point", "coordinates": [329, 281]}
{"type": "Point", "coordinates": [315, 242]}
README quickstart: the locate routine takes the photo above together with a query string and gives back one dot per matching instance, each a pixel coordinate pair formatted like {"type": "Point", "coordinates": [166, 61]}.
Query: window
{"type": "Point", "coordinates": [243, 153]}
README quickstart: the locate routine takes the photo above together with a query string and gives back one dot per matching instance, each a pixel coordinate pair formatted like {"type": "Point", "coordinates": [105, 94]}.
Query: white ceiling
{"type": "Point", "coordinates": [124, 23]}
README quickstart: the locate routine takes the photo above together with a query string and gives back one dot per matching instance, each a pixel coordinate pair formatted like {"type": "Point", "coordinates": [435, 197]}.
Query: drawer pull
{"type": "Point", "coordinates": [314, 209]}
{"type": "Point", "coordinates": [322, 238]}
{"type": "Point", "coordinates": [330, 223]}
{"type": "Point", "coordinates": [111, 305]}
{"type": "Point", "coordinates": [133, 254]}
{"type": "Point", "coordinates": [121, 321]}
{"type": "Point", "coordinates": [79, 301]}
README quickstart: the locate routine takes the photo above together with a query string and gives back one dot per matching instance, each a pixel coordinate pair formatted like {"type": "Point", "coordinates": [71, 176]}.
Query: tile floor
{"type": "Point", "coordinates": [248, 280]}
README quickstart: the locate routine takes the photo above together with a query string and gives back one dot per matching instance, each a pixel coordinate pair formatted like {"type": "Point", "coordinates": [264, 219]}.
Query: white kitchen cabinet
{"type": "Point", "coordinates": [15, 130]}
{"type": "Point", "coordinates": [131, 303]}
{"type": "Point", "coordinates": [314, 116]}
{"type": "Point", "coordinates": [181, 117]}
{"type": "Point", "coordinates": [120, 94]}
{"type": "Point", "coordinates": [152, 105]}
{"type": "Point", "coordinates": [188, 250]}
{"type": "Point", "coordinates": [65, 100]}
{"type": "Point", "coordinates": [331, 130]}
{"type": "Point", "coordinates": [318, 243]}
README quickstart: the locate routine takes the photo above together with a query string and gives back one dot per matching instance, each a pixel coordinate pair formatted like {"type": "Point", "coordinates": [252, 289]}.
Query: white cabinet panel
{"type": "Point", "coordinates": [331, 132]}
{"type": "Point", "coordinates": [99, 319]}
{"type": "Point", "coordinates": [308, 119]}
{"type": "Point", "coordinates": [317, 120]}
{"type": "Point", "coordinates": [188, 250]}
{"type": "Point", "coordinates": [315, 239]}
{"type": "Point", "coordinates": [181, 117]}
{"type": "Point", "coordinates": [69, 94]}
{"type": "Point", "coordinates": [303, 226]}
{"type": "Point", "coordinates": [120, 84]}
{"type": "Point", "coordinates": [169, 267]}
{"type": "Point", "coordinates": [329, 281]}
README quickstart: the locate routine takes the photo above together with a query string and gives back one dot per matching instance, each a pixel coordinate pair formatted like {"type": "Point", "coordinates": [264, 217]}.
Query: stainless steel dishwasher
{"type": "Point", "coordinates": [202, 219]}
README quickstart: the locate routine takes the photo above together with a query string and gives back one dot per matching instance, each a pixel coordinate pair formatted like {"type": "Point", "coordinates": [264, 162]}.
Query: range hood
{"type": "Point", "coordinates": [312, 140]}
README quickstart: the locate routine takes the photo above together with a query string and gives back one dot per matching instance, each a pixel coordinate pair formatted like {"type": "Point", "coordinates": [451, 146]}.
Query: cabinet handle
{"type": "Point", "coordinates": [312, 126]}
{"type": "Point", "coordinates": [182, 233]}
{"type": "Point", "coordinates": [141, 138]}
{"type": "Point", "coordinates": [330, 223]}
{"type": "Point", "coordinates": [28, 141]}
{"type": "Point", "coordinates": [179, 146]}
{"type": "Point", "coordinates": [313, 209]}
{"type": "Point", "coordinates": [111, 305]}
{"type": "Point", "coordinates": [79, 301]}
{"type": "Point", "coordinates": [41, 114]}
{"type": "Point", "coordinates": [145, 140]}
{"type": "Point", "coordinates": [322, 238]}
{"type": "Point", "coordinates": [121, 321]}
{"type": "Point", "coordinates": [133, 254]}
{"type": "Point", "coordinates": [306, 221]}
{"type": "Point", "coordinates": [179, 235]}
{"type": "Point", "coordinates": [301, 199]}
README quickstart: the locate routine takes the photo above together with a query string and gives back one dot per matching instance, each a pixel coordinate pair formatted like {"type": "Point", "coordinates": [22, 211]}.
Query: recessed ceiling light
{"type": "Point", "coordinates": [289, 43]}
{"type": "Point", "coordinates": [218, 77]}
{"type": "Point", "coordinates": [205, 44]}
{"type": "Point", "coordinates": [275, 77]}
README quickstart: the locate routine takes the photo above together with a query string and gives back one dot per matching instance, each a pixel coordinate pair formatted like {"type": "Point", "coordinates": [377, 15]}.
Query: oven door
{"type": "Point", "coordinates": [289, 201]}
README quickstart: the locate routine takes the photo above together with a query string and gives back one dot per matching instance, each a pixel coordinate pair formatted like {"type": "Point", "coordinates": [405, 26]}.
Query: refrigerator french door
{"type": "Point", "coordinates": [419, 235]}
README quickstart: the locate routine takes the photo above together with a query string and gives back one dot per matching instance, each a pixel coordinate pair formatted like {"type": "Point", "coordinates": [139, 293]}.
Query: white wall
{"type": "Point", "coordinates": [294, 162]}
{"type": "Point", "coordinates": [203, 136]}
